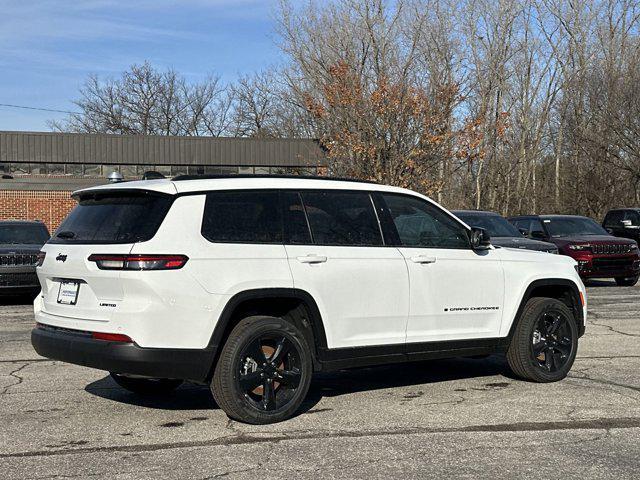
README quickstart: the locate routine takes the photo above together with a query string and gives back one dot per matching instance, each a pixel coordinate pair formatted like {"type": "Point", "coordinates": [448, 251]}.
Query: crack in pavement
{"type": "Point", "coordinates": [27, 360]}
{"type": "Point", "coordinates": [14, 374]}
{"type": "Point", "coordinates": [244, 438]}
{"type": "Point", "coordinates": [597, 316]}
{"type": "Point", "coordinates": [603, 382]}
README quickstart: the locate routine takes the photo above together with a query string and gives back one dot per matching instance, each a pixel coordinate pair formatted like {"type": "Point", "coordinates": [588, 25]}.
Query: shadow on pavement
{"type": "Point", "coordinates": [198, 397]}
{"type": "Point", "coordinates": [187, 397]}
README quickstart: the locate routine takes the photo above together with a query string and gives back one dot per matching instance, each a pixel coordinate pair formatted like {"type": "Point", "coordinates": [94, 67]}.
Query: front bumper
{"type": "Point", "coordinates": [18, 279]}
{"type": "Point", "coordinates": [78, 347]}
{"type": "Point", "coordinates": [598, 266]}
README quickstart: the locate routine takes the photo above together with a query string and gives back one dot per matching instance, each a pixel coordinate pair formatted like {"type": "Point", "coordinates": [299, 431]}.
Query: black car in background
{"type": "Point", "coordinates": [20, 242]}
{"type": "Point", "coordinates": [502, 233]}
{"type": "Point", "coordinates": [623, 222]}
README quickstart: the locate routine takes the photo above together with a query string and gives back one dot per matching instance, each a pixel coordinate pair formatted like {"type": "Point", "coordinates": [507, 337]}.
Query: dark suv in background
{"type": "Point", "coordinates": [623, 222]}
{"type": "Point", "coordinates": [502, 233]}
{"type": "Point", "coordinates": [20, 242]}
{"type": "Point", "coordinates": [598, 253]}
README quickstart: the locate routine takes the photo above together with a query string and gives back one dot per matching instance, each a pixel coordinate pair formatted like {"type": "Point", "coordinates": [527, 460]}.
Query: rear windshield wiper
{"type": "Point", "coordinates": [66, 234]}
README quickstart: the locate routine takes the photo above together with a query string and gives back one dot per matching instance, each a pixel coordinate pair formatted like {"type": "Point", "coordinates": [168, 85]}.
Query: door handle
{"type": "Point", "coordinates": [423, 259]}
{"type": "Point", "coordinates": [312, 259]}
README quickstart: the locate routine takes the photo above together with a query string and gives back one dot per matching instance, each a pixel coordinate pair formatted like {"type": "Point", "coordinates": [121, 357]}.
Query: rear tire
{"type": "Point", "coordinates": [263, 372]}
{"type": "Point", "coordinates": [146, 386]}
{"type": "Point", "coordinates": [545, 341]}
{"type": "Point", "coordinates": [627, 281]}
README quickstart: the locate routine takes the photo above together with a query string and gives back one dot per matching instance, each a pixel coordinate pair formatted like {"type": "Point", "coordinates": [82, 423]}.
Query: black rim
{"type": "Point", "coordinates": [269, 372]}
{"type": "Point", "coordinates": [552, 341]}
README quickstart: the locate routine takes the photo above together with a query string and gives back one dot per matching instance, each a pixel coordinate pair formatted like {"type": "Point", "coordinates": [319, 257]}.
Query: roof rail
{"type": "Point", "coordinates": [179, 178]}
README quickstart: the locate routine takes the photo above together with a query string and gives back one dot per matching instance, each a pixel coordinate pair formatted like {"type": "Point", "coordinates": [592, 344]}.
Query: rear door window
{"type": "Point", "coordinates": [114, 217]}
{"type": "Point", "coordinates": [295, 219]}
{"type": "Point", "coordinates": [247, 216]}
{"type": "Point", "coordinates": [342, 218]}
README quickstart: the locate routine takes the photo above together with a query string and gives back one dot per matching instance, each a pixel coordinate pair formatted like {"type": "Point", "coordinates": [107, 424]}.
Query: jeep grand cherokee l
{"type": "Point", "coordinates": [502, 233]}
{"type": "Point", "coordinates": [252, 284]}
{"type": "Point", "coordinates": [20, 243]}
{"type": "Point", "coordinates": [599, 254]}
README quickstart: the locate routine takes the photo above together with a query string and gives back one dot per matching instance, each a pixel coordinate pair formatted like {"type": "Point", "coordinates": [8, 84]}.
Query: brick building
{"type": "Point", "coordinates": [40, 170]}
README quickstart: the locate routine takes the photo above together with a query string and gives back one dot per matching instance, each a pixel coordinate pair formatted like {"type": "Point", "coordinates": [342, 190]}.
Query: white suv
{"type": "Point", "coordinates": [250, 284]}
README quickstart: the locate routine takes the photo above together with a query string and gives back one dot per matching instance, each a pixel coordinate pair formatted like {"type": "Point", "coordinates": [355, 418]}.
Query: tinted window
{"type": "Point", "coordinates": [242, 217]}
{"type": "Point", "coordinates": [495, 225]}
{"type": "Point", "coordinates": [536, 226]}
{"type": "Point", "coordinates": [420, 224]}
{"type": "Point", "coordinates": [614, 219]}
{"type": "Point", "coordinates": [519, 223]}
{"type": "Point", "coordinates": [114, 217]}
{"type": "Point", "coordinates": [567, 226]}
{"type": "Point", "coordinates": [295, 220]}
{"type": "Point", "coordinates": [342, 218]}
{"type": "Point", "coordinates": [23, 234]}
{"type": "Point", "coordinates": [633, 217]}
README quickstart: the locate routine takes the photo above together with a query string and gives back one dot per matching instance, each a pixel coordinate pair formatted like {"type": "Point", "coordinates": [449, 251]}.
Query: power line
{"type": "Point", "coordinates": [37, 108]}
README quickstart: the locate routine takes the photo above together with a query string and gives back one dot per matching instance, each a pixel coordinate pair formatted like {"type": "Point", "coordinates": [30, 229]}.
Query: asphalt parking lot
{"type": "Point", "coordinates": [458, 418]}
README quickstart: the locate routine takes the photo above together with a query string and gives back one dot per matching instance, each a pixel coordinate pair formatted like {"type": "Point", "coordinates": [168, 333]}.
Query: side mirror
{"type": "Point", "coordinates": [538, 235]}
{"type": "Point", "coordinates": [480, 239]}
{"type": "Point", "coordinates": [609, 231]}
{"type": "Point", "coordinates": [524, 231]}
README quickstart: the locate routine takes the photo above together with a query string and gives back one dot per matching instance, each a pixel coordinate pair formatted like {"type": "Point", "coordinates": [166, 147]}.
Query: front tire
{"type": "Point", "coordinates": [146, 386]}
{"type": "Point", "coordinates": [545, 341]}
{"type": "Point", "coordinates": [263, 372]}
{"type": "Point", "coordinates": [627, 281]}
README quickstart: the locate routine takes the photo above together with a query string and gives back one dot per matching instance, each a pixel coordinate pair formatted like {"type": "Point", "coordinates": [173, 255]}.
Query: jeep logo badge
{"type": "Point", "coordinates": [61, 258]}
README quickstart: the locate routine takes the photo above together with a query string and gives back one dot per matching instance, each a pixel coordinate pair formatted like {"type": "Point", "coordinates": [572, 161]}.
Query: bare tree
{"type": "Point", "coordinates": [150, 102]}
{"type": "Point", "coordinates": [519, 106]}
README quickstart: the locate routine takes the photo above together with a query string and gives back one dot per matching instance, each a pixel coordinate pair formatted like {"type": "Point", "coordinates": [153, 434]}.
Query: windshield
{"type": "Point", "coordinates": [23, 234]}
{"type": "Point", "coordinates": [495, 225]}
{"type": "Point", "coordinates": [114, 217]}
{"type": "Point", "coordinates": [569, 226]}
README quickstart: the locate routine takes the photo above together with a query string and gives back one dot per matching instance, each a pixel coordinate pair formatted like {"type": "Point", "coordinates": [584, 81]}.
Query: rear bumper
{"type": "Point", "coordinates": [78, 347]}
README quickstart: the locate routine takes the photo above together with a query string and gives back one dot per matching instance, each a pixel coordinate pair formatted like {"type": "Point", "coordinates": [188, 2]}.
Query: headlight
{"type": "Point", "coordinates": [579, 247]}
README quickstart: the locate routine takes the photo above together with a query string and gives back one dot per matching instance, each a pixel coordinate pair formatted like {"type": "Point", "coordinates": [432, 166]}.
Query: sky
{"type": "Point", "coordinates": [48, 47]}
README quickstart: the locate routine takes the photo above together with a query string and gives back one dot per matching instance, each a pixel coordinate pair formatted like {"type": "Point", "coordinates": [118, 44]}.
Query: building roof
{"type": "Point", "coordinates": [44, 183]}
{"type": "Point", "coordinates": [82, 148]}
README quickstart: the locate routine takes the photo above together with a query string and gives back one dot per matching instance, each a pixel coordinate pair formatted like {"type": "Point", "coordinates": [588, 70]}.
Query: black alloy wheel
{"type": "Point", "coordinates": [264, 370]}
{"type": "Point", "coordinates": [552, 340]}
{"type": "Point", "coordinates": [544, 343]}
{"type": "Point", "coordinates": [269, 372]}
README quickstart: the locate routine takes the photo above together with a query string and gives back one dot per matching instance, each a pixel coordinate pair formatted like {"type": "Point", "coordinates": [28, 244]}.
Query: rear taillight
{"type": "Point", "coordinates": [138, 262]}
{"type": "Point", "coordinates": [111, 337]}
{"type": "Point", "coordinates": [40, 259]}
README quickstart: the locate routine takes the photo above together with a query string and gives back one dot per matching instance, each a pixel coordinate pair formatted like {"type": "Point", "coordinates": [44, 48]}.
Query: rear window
{"type": "Point", "coordinates": [114, 217]}
{"type": "Point", "coordinates": [342, 218]}
{"type": "Point", "coordinates": [16, 234]}
{"type": "Point", "coordinates": [242, 217]}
